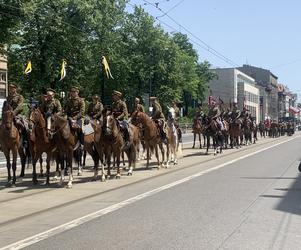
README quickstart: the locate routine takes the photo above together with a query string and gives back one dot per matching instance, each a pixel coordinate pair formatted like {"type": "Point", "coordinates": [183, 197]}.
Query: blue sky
{"type": "Point", "coordinates": [262, 33]}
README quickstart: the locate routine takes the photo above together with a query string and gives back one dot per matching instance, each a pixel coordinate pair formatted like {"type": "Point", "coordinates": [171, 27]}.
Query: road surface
{"type": "Point", "coordinates": [244, 199]}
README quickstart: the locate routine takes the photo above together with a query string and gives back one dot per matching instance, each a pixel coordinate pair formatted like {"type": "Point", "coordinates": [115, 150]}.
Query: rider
{"type": "Point", "coordinates": [235, 114]}
{"type": "Point", "coordinates": [95, 108]}
{"type": "Point", "coordinates": [158, 117]}
{"type": "Point", "coordinates": [75, 109]}
{"type": "Point", "coordinates": [214, 113]}
{"type": "Point", "coordinates": [49, 107]}
{"type": "Point", "coordinates": [120, 112]}
{"type": "Point", "coordinates": [15, 100]}
{"type": "Point", "coordinates": [199, 112]}
{"type": "Point", "coordinates": [138, 107]}
{"type": "Point", "coordinates": [177, 119]}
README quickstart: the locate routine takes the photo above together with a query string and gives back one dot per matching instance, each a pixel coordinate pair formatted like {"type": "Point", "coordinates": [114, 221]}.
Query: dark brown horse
{"type": "Point", "coordinates": [66, 139]}
{"type": "Point", "coordinates": [235, 130]}
{"type": "Point", "coordinates": [151, 135]}
{"type": "Point", "coordinates": [10, 142]}
{"type": "Point", "coordinates": [197, 129]}
{"type": "Point", "coordinates": [213, 130]}
{"type": "Point", "coordinates": [38, 145]}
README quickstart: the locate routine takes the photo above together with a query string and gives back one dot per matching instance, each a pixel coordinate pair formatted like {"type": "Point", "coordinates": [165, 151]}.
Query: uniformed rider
{"type": "Point", "coordinates": [158, 116]}
{"type": "Point", "coordinates": [75, 109]}
{"type": "Point", "coordinates": [199, 112]}
{"type": "Point", "coordinates": [138, 106]}
{"type": "Point", "coordinates": [49, 107]}
{"type": "Point", "coordinates": [120, 112]}
{"type": "Point", "coordinates": [15, 101]}
{"type": "Point", "coordinates": [235, 114]}
{"type": "Point", "coordinates": [95, 108]}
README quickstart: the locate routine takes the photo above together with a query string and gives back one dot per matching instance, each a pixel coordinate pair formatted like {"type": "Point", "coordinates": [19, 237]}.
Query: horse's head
{"type": "Point", "coordinates": [136, 118]}
{"type": "Point", "coordinates": [7, 119]}
{"type": "Point", "coordinates": [109, 125]}
{"type": "Point", "coordinates": [171, 115]}
{"type": "Point", "coordinates": [36, 117]}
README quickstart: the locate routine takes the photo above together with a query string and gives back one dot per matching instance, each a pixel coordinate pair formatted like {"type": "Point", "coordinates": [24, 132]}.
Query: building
{"type": "Point", "coordinates": [234, 86]}
{"type": "Point", "coordinates": [267, 83]}
{"type": "Point", "coordinates": [3, 77]}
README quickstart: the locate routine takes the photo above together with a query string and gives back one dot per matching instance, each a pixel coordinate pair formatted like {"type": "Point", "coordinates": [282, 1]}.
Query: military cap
{"type": "Point", "coordinates": [137, 99]}
{"type": "Point", "coordinates": [95, 97]}
{"type": "Point", "coordinates": [74, 88]}
{"type": "Point", "coordinates": [118, 93]}
{"type": "Point", "coordinates": [12, 85]}
{"type": "Point", "coordinates": [51, 90]}
{"type": "Point", "coordinates": [152, 98]}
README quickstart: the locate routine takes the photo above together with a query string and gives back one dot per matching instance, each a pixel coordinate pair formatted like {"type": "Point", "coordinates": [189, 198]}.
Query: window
{"type": "Point", "coordinates": [2, 76]}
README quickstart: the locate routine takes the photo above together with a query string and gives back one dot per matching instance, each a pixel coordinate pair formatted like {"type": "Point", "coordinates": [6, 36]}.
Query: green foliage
{"type": "Point", "coordinates": [143, 57]}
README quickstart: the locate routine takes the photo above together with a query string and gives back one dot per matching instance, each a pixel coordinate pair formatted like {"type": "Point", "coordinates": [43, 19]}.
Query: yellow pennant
{"type": "Point", "coordinates": [63, 69]}
{"type": "Point", "coordinates": [106, 67]}
{"type": "Point", "coordinates": [28, 68]}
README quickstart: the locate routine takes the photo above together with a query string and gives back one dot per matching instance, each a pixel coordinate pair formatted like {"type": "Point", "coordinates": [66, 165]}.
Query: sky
{"type": "Point", "coordinates": [262, 33]}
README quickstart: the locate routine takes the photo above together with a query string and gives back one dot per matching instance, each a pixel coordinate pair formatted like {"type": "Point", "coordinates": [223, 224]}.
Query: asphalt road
{"type": "Point", "coordinates": [243, 201]}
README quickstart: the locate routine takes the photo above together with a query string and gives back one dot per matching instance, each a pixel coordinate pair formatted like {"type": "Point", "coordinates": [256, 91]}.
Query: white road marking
{"type": "Point", "coordinates": [74, 223]}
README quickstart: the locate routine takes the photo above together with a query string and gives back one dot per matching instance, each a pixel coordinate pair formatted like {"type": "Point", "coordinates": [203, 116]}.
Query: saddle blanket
{"type": "Point", "coordinates": [88, 129]}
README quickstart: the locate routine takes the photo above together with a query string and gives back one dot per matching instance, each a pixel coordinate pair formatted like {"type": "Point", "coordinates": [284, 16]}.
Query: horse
{"type": "Point", "coordinates": [214, 131]}
{"type": "Point", "coordinates": [234, 131]}
{"type": "Point", "coordinates": [172, 135]}
{"type": "Point", "coordinates": [151, 135]}
{"type": "Point", "coordinates": [261, 129]}
{"type": "Point", "coordinates": [38, 145]}
{"type": "Point", "coordinates": [89, 144]}
{"type": "Point", "coordinates": [10, 141]}
{"type": "Point", "coordinates": [113, 142]}
{"type": "Point", "coordinates": [66, 139]}
{"type": "Point", "coordinates": [247, 124]}
{"type": "Point", "coordinates": [197, 129]}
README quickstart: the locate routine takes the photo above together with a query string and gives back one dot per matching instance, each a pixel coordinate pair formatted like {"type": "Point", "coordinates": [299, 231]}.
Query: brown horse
{"type": "Point", "coordinates": [197, 129]}
{"type": "Point", "coordinates": [151, 135]}
{"type": "Point", "coordinates": [235, 131]}
{"type": "Point", "coordinates": [38, 145]}
{"type": "Point", "coordinates": [214, 131]}
{"type": "Point", "coordinates": [10, 142]}
{"type": "Point", "coordinates": [66, 139]}
{"type": "Point", "coordinates": [89, 145]}
{"type": "Point", "coordinates": [112, 141]}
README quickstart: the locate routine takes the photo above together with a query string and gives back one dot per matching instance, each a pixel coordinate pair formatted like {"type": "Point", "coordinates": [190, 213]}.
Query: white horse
{"type": "Point", "coordinates": [172, 136]}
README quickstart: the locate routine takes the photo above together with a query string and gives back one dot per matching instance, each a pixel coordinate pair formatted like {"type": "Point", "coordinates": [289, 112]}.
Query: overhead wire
{"type": "Point", "coordinates": [207, 46]}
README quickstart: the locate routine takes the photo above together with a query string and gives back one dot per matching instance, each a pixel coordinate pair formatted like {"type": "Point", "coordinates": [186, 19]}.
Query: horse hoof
{"type": "Point", "coordinates": [103, 179]}
{"type": "Point", "coordinates": [13, 185]}
{"type": "Point", "coordinates": [35, 182]}
{"type": "Point", "coordinates": [117, 177]}
{"type": "Point", "coordinates": [21, 175]}
{"type": "Point", "coordinates": [130, 174]}
{"type": "Point", "coordinates": [69, 186]}
{"type": "Point", "coordinates": [79, 174]}
{"type": "Point", "coordinates": [41, 175]}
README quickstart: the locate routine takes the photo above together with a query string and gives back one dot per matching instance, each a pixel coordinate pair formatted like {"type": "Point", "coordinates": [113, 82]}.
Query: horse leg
{"type": "Point", "coordinates": [8, 166]}
{"type": "Point", "coordinates": [84, 158]}
{"type": "Point", "coordinates": [34, 172]}
{"type": "Point", "coordinates": [131, 159]}
{"type": "Point", "coordinates": [118, 175]}
{"type": "Point", "coordinates": [14, 165]}
{"type": "Point", "coordinates": [69, 162]}
{"type": "Point", "coordinates": [157, 156]}
{"type": "Point", "coordinates": [147, 155]}
{"type": "Point", "coordinates": [23, 161]}
{"type": "Point", "coordinates": [62, 163]}
{"type": "Point", "coordinates": [194, 135]}
{"type": "Point", "coordinates": [200, 140]}
{"type": "Point", "coordinates": [208, 144]}
{"type": "Point", "coordinates": [47, 170]}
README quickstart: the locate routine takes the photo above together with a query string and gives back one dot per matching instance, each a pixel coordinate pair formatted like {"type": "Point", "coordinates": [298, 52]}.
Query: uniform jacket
{"type": "Point", "coordinates": [157, 111]}
{"type": "Point", "coordinates": [16, 102]}
{"type": "Point", "coordinates": [53, 107]}
{"type": "Point", "coordinates": [120, 110]}
{"type": "Point", "coordinates": [95, 110]}
{"type": "Point", "coordinates": [75, 108]}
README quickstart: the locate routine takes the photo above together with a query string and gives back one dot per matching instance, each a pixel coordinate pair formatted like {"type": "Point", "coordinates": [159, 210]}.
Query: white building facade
{"type": "Point", "coordinates": [234, 86]}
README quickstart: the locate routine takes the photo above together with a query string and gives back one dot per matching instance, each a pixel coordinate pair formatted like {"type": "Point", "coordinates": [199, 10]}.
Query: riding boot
{"type": "Point", "coordinates": [126, 137]}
